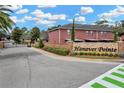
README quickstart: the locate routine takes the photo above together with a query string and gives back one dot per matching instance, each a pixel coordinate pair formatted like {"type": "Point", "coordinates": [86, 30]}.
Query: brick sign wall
{"type": "Point", "coordinates": [95, 47]}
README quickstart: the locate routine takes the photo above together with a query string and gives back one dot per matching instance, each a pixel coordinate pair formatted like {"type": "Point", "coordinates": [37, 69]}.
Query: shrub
{"type": "Point", "coordinates": [81, 53]}
{"type": "Point", "coordinates": [60, 51]}
{"type": "Point", "coordinates": [40, 44]}
{"type": "Point", "coordinates": [103, 54]}
{"type": "Point", "coordinates": [115, 55]}
{"type": "Point", "coordinates": [90, 53]}
{"type": "Point", "coordinates": [110, 55]}
{"type": "Point", "coordinates": [98, 54]}
{"type": "Point", "coordinates": [85, 53]}
{"type": "Point", "coordinates": [106, 54]}
{"type": "Point", "coordinates": [94, 53]}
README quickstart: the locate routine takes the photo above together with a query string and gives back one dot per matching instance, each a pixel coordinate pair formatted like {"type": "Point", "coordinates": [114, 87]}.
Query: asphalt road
{"type": "Point", "coordinates": [21, 67]}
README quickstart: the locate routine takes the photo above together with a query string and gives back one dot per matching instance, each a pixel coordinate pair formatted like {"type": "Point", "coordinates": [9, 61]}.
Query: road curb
{"type": "Point", "coordinates": [68, 58]}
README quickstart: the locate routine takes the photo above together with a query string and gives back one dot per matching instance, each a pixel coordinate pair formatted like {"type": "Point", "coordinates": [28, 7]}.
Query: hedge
{"type": "Point", "coordinates": [95, 54]}
{"type": "Point", "coordinates": [60, 51]}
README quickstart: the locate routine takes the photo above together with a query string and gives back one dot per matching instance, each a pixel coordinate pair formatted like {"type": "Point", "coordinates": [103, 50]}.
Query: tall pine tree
{"type": "Point", "coordinates": [73, 31]}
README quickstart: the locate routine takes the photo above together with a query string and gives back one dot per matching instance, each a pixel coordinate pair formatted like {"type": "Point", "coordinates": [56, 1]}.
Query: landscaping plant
{"type": "Point", "coordinates": [60, 51]}
{"type": "Point", "coordinates": [40, 44]}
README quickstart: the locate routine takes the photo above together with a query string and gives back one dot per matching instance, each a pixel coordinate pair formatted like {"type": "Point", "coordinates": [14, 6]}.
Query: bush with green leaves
{"type": "Point", "coordinates": [95, 54]}
{"type": "Point", "coordinates": [60, 51]}
{"type": "Point", "coordinates": [40, 44]}
{"type": "Point", "coordinates": [115, 55]}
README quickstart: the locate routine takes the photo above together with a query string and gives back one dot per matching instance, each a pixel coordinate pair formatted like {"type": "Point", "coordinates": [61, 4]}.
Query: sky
{"type": "Point", "coordinates": [45, 16]}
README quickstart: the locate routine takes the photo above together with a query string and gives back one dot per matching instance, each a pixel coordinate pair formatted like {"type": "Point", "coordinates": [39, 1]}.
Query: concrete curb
{"type": "Point", "coordinates": [69, 58]}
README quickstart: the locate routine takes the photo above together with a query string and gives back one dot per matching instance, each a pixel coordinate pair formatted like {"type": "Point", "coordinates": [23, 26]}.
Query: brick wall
{"type": "Point", "coordinates": [121, 47]}
{"type": "Point", "coordinates": [79, 34]}
{"type": "Point", "coordinates": [67, 46]}
{"type": "Point", "coordinates": [54, 37]}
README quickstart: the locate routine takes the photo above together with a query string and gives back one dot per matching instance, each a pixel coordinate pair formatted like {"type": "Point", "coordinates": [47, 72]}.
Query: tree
{"type": "Point", "coordinates": [54, 27]}
{"type": "Point", "coordinates": [16, 35]}
{"type": "Point", "coordinates": [101, 22]}
{"type": "Point", "coordinates": [25, 33]}
{"type": "Point", "coordinates": [35, 33]}
{"type": "Point", "coordinates": [73, 31]}
{"type": "Point", "coordinates": [116, 33]}
{"type": "Point", "coordinates": [122, 23]}
{"type": "Point", "coordinates": [44, 35]}
{"type": "Point", "coordinates": [5, 21]}
{"type": "Point", "coordinates": [118, 30]}
{"type": "Point", "coordinates": [2, 34]}
{"type": "Point", "coordinates": [40, 44]}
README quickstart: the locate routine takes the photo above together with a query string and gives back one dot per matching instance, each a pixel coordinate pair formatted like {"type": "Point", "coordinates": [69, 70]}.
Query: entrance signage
{"type": "Point", "coordinates": [95, 47]}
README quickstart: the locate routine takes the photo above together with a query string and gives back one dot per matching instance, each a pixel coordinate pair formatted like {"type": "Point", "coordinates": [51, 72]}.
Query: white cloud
{"type": "Point", "coordinates": [45, 22]}
{"type": "Point", "coordinates": [37, 12]}
{"type": "Point", "coordinates": [70, 20]}
{"type": "Point", "coordinates": [40, 21]}
{"type": "Point", "coordinates": [46, 6]}
{"type": "Point", "coordinates": [22, 11]}
{"type": "Point", "coordinates": [113, 13]}
{"type": "Point", "coordinates": [86, 10]}
{"type": "Point", "coordinates": [46, 18]}
{"type": "Point", "coordinates": [14, 18]}
{"type": "Point", "coordinates": [16, 7]}
{"type": "Point", "coordinates": [53, 17]}
{"type": "Point", "coordinates": [57, 17]}
{"type": "Point", "coordinates": [28, 18]}
{"type": "Point", "coordinates": [40, 14]}
{"type": "Point", "coordinates": [77, 14]}
{"type": "Point", "coordinates": [78, 19]}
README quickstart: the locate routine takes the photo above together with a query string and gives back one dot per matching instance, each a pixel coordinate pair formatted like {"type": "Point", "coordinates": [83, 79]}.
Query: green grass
{"type": "Point", "coordinates": [120, 69]}
{"type": "Point", "coordinates": [97, 85]}
{"type": "Point", "coordinates": [113, 81]}
{"type": "Point", "coordinates": [117, 74]}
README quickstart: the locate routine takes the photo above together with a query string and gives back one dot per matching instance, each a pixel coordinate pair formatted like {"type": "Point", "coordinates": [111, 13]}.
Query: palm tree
{"type": "Point", "coordinates": [5, 21]}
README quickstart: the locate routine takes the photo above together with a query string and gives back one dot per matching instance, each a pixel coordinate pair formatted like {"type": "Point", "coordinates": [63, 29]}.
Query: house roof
{"type": "Point", "coordinates": [85, 27]}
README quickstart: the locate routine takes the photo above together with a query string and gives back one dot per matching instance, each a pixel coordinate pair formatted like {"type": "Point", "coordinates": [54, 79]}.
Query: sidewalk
{"type": "Point", "coordinates": [69, 58]}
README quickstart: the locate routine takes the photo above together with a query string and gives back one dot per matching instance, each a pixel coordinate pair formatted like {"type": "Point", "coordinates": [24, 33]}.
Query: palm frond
{"type": "Point", "coordinates": [6, 10]}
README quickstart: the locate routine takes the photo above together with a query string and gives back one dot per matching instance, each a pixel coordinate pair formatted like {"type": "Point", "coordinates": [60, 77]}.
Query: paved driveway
{"type": "Point", "coordinates": [23, 67]}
